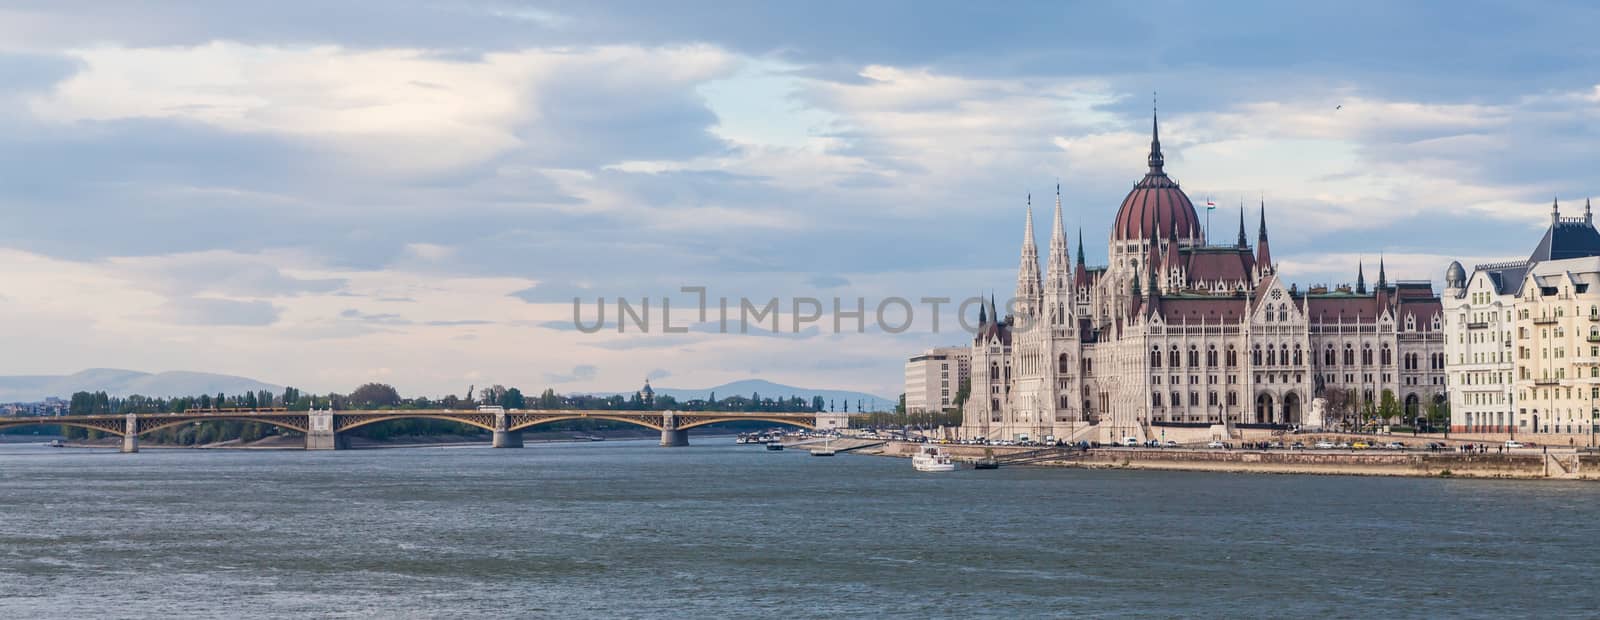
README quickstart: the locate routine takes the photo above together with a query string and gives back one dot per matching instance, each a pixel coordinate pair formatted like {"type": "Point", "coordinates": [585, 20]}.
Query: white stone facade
{"type": "Point", "coordinates": [1179, 333]}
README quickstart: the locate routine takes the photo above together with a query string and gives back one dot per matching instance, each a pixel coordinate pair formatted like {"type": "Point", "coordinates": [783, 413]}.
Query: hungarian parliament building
{"type": "Point", "coordinates": [1180, 331]}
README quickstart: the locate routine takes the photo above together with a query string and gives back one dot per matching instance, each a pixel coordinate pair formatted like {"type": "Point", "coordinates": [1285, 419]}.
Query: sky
{"type": "Point", "coordinates": [325, 193]}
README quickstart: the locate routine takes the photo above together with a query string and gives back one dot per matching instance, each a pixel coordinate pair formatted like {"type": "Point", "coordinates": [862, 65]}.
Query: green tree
{"type": "Point", "coordinates": [963, 391]}
{"type": "Point", "coordinates": [374, 396]}
{"type": "Point", "coordinates": [1389, 407]}
{"type": "Point", "coordinates": [512, 399]}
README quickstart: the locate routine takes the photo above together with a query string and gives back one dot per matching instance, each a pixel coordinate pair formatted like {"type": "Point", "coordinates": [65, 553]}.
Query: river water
{"type": "Point", "coordinates": [628, 529]}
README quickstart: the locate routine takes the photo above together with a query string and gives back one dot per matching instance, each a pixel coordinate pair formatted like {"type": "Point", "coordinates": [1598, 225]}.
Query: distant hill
{"type": "Point", "coordinates": [768, 389]}
{"type": "Point", "coordinates": [116, 382]}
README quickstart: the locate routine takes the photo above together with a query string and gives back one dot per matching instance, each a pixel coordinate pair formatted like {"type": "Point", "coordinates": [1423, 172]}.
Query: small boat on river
{"type": "Point", "coordinates": [933, 458]}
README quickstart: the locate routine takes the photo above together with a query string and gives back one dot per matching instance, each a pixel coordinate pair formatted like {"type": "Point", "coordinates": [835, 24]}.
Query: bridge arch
{"type": "Point", "coordinates": [743, 418]}
{"type": "Point", "coordinates": [118, 430]}
{"type": "Point", "coordinates": [519, 425]}
{"type": "Point", "coordinates": [365, 421]}
{"type": "Point", "coordinates": [156, 424]}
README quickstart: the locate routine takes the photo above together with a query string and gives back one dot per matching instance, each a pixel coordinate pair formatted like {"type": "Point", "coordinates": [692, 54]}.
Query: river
{"type": "Point", "coordinates": [627, 529]}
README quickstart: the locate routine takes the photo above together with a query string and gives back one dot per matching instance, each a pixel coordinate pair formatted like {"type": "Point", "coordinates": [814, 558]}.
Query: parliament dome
{"type": "Point", "coordinates": [1155, 201]}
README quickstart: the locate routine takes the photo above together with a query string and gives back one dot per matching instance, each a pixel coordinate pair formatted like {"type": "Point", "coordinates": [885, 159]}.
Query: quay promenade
{"type": "Point", "coordinates": [1557, 464]}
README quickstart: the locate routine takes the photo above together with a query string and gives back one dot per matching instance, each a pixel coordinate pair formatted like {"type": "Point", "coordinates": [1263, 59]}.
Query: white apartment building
{"type": "Point", "coordinates": [934, 376]}
{"type": "Point", "coordinates": [1522, 338]}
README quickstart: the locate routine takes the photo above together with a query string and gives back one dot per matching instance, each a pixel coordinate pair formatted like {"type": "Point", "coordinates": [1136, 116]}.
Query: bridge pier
{"type": "Point", "coordinates": [504, 437]}
{"type": "Point", "coordinates": [320, 434]}
{"type": "Point", "coordinates": [130, 434]}
{"type": "Point", "coordinates": [671, 435]}
{"type": "Point", "coordinates": [507, 439]}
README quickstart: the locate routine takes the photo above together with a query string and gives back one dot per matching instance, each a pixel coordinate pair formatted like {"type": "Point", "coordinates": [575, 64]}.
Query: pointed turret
{"type": "Point", "coordinates": [1080, 278]}
{"type": "Point", "coordinates": [1263, 255]}
{"type": "Point", "coordinates": [1361, 278]}
{"type": "Point", "coordinates": [1555, 211]}
{"type": "Point", "coordinates": [1028, 272]}
{"type": "Point", "coordinates": [1383, 280]}
{"type": "Point", "coordinates": [982, 318]}
{"type": "Point", "coordinates": [1171, 259]}
{"type": "Point", "coordinates": [1156, 160]}
{"type": "Point", "coordinates": [1058, 274]}
{"type": "Point", "coordinates": [1588, 214]}
{"type": "Point", "coordinates": [1242, 242]}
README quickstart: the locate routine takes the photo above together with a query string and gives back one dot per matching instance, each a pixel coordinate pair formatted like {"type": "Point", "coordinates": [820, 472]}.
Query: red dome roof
{"type": "Point", "coordinates": [1157, 198]}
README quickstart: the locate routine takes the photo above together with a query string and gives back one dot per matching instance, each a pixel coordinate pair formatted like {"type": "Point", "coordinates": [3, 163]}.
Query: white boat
{"type": "Point", "coordinates": [825, 450]}
{"type": "Point", "coordinates": [932, 458]}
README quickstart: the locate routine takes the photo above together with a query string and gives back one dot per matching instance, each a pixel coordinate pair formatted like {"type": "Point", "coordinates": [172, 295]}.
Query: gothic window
{"type": "Point", "coordinates": [1255, 356]}
{"type": "Point", "coordinates": [1233, 399]}
{"type": "Point", "coordinates": [1194, 356]}
{"type": "Point", "coordinates": [1155, 398]}
{"type": "Point", "coordinates": [1272, 356]}
{"type": "Point", "coordinates": [1297, 361]}
{"type": "Point", "coordinates": [1211, 356]}
{"type": "Point", "coordinates": [1283, 312]}
{"type": "Point", "coordinates": [994, 372]}
{"type": "Point", "coordinates": [1387, 358]}
{"type": "Point", "coordinates": [1328, 357]}
{"type": "Point", "coordinates": [1194, 399]}
{"type": "Point", "coordinates": [1211, 398]}
{"type": "Point", "coordinates": [1177, 399]}
{"type": "Point", "coordinates": [1064, 364]}
{"type": "Point", "coordinates": [1173, 358]}
{"type": "Point", "coordinates": [1349, 355]}
{"type": "Point", "coordinates": [1233, 357]}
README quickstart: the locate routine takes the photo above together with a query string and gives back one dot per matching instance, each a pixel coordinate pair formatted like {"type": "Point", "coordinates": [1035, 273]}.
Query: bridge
{"type": "Point", "coordinates": [323, 428]}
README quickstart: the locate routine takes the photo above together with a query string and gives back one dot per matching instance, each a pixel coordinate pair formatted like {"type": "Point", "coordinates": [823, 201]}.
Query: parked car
{"type": "Point", "coordinates": [1298, 445]}
{"type": "Point", "coordinates": [1170, 444]}
{"type": "Point", "coordinates": [1217, 445]}
{"type": "Point", "coordinates": [1324, 445]}
{"type": "Point", "coordinates": [1360, 445]}
{"type": "Point", "coordinates": [1276, 445]}
{"type": "Point", "coordinates": [1512, 443]}
{"type": "Point", "coordinates": [1434, 445]}
{"type": "Point", "coordinates": [1395, 445]}
{"type": "Point", "coordinates": [1131, 442]}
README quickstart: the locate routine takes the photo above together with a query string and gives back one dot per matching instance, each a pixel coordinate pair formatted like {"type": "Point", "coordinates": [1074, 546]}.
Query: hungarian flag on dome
{"type": "Point", "coordinates": [1210, 206]}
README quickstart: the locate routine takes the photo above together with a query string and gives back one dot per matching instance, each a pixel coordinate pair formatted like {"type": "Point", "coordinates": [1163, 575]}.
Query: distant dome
{"type": "Point", "coordinates": [1156, 199]}
{"type": "Point", "coordinates": [1454, 275]}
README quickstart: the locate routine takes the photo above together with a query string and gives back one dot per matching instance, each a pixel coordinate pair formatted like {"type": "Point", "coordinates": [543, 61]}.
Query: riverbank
{"type": "Point", "coordinates": [1529, 465]}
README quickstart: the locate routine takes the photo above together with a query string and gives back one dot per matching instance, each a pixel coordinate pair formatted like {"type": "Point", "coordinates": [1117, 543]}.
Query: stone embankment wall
{"type": "Point", "coordinates": [1355, 463]}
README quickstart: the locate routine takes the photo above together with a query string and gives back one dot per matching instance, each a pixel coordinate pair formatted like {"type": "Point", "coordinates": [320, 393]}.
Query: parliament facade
{"type": "Point", "coordinates": [1177, 331]}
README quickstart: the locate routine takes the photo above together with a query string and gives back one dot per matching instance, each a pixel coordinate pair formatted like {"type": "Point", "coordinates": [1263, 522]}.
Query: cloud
{"type": "Point", "coordinates": [221, 312]}
{"type": "Point", "coordinates": [824, 281]}
{"type": "Point", "coordinates": [229, 180]}
{"type": "Point", "coordinates": [659, 373]}
{"type": "Point", "coordinates": [581, 372]}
